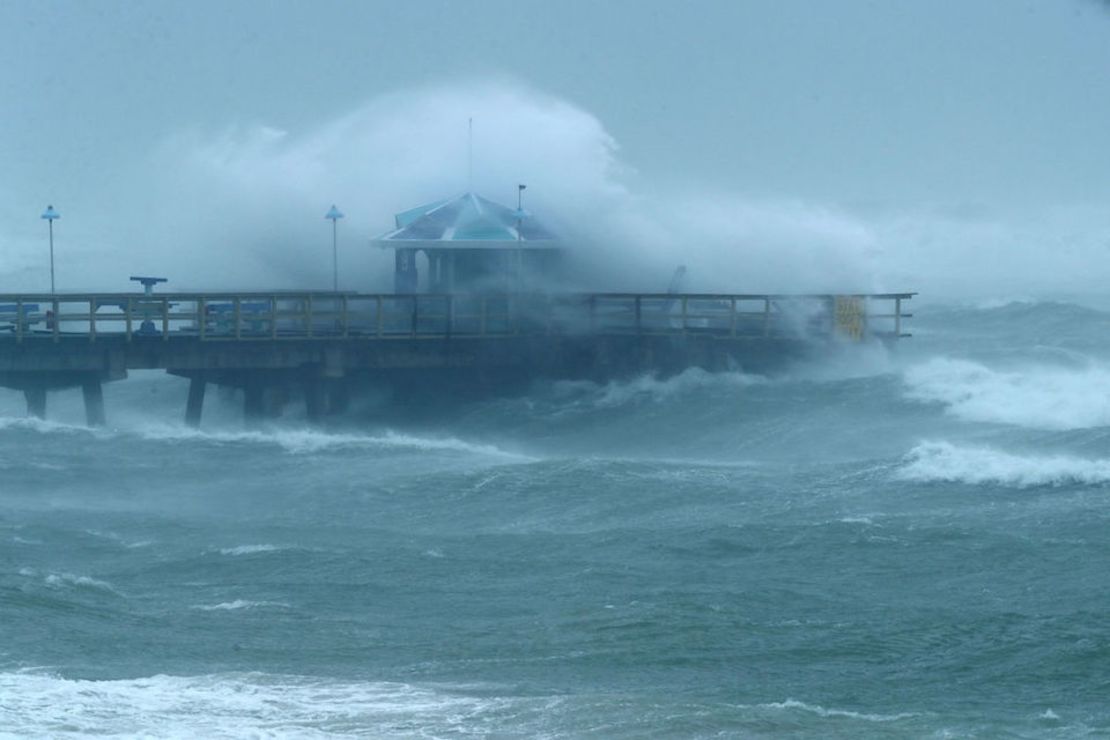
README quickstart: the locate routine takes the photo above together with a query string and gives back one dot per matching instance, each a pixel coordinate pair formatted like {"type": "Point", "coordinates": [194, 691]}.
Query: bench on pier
{"type": "Point", "coordinates": [14, 314]}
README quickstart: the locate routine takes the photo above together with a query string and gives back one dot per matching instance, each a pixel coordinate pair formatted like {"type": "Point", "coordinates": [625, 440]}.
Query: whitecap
{"type": "Point", "coordinates": [250, 549]}
{"type": "Point", "coordinates": [945, 462]}
{"type": "Point", "coordinates": [240, 604]}
{"type": "Point", "coordinates": [794, 704]}
{"type": "Point", "coordinates": [308, 441]}
{"type": "Point", "coordinates": [652, 388]}
{"type": "Point", "coordinates": [67, 580]}
{"type": "Point", "coordinates": [236, 705]}
{"type": "Point", "coordinates": [1034, 397]}
{"type": "Point", "coordinates": [43, 426]}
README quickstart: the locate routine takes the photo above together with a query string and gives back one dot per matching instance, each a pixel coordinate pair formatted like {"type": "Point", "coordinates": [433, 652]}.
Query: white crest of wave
{"type": "Point", "coordinates": [794, 704]}
{"type": "Point", "coordinates": [1035, 397]}
{"type": "Point", "coordinates": [229, 705]}
{"type": "Point", "coordinates": [945, 462]}
{"type": "Point", "coordinates": [70, 580]}
{"type": "Point", "coordinates": [307, 441]}
{"type": "Point", "coordinates": [653, 388]}
{"type": "Point", "coordinates": [45, 426]}
{"type": "Point", "coordinates": [240, 604]}
{"type": "Point", "coordinates": [250, 549]}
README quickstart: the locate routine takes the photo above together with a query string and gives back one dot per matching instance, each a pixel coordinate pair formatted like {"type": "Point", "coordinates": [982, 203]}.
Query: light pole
{"type": "Point", "coordinates": [50, 214]}
{"type": "Point", "coordinates": [519, 209]}
{"type": "Point", "coordinates": [334, 215]}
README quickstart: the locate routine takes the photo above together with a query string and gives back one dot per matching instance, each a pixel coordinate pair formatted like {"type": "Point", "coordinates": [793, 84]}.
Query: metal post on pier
{"type": "Point", "coordinates": [50, 215]}
{"type": "Point", "coordinates": [334, 215]}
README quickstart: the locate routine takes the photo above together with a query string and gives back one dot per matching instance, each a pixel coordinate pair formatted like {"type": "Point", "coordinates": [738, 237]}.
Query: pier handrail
{"type": "Point", "coordinates": [326, 315]}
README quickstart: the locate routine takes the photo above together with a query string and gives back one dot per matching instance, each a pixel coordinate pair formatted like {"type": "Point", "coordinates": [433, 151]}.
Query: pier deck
{"type": "Point", "coordinates": [314, 341]}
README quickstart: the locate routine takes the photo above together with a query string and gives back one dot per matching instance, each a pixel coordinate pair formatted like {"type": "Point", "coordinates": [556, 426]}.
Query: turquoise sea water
{"type": "Point", "coordinates": [885, 545]}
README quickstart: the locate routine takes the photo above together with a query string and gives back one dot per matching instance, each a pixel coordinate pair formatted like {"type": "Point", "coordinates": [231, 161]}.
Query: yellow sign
{"type": "Point", "coordinates": [850, 316]}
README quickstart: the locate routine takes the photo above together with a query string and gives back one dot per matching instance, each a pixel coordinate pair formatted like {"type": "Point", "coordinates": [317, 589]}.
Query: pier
{"type": "Point", "coordinates": [313, 346]}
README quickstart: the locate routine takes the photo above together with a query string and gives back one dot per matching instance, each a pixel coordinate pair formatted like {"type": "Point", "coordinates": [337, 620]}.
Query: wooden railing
{"type": "Point", "coordinates": [317, 315]}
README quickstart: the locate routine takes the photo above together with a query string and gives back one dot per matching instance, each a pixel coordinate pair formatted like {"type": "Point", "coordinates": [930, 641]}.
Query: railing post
{"type": "Point", "coordinates": [237, 312]}
{"type": "Point", "coordinates": [92, 319]}
{"type": "Point", "coordinates": [165, 319]}
{"type": "Point", "coordinates": [450, 314]}
{"type": "Point", "coordinates": [57, 331]}
{"type": "Point", "coordinates": [273, 317]}
{"type": "Point", "coordinates": [202, 318]}
{"type": "Point", "coordinates": [897, 317]}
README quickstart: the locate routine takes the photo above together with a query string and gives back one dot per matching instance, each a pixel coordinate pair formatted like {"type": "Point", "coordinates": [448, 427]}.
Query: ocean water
{"type": "Point", "coordinates": [887, 544]}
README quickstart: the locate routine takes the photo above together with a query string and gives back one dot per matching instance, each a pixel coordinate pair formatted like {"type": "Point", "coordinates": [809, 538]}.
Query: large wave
{"type": "Point", "coordinates": [1034, 397]}
{"type": "Point", "coordinates": [943, 462]}
{"type": "Point", "coordinates": [231, 705]}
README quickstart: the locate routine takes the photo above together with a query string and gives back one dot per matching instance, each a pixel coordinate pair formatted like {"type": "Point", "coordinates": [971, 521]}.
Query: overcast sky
{"type": "Point", "coordinates": [964, 106]}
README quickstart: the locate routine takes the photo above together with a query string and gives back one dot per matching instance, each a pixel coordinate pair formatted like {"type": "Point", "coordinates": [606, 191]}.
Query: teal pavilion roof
{"type": "Point", "coordinates": [467, 221]}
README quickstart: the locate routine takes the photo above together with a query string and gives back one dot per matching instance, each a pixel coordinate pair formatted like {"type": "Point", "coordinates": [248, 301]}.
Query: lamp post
{"type": "Point", "coordinates": [50, 214]}
{"type": "Point", "coordinates": [519, 209]}
{"type": "Point", "coordinates": [334, 215]}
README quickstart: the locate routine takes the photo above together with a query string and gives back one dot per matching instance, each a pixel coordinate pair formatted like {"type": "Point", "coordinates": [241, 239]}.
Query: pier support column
{"type": "Point", "coordinates": [339, 397]}
{"type": "Point", "coordinates": [254, 397]}
{"type": "Point", "coordinates": [93, 392]}
{"type": "Point", "coordinates": [195, 405]}
{"type": "Point", "coordinates": [315, 399]}
{"type": "Point", "coordinates": [36, 402]}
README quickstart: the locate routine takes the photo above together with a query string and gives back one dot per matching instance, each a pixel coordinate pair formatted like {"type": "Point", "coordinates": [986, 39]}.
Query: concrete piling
{"type": "Point", "coordinates": [254, 397]}
{"type": "Point", "coordinates": [195, 405]}
{"type": "Point", "coordinates": [36, 402]}
{"type": "Point", "coordinates": [93, 393]}
{"type": "Point", "coordinates": [315, 399]}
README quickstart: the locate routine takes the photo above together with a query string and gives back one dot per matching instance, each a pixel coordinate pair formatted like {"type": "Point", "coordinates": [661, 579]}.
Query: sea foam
{"type": "Point", "coordinates": [945, 462]}
{"type": "Point", "coordinates": [794, 704]}
{"type": "Point", "coordinates": [240, 604]}
{"type": "Point", "coordinates": [229, 705]}
{"type": "Point", "coordinates": [308, 441]}
{"type": "Point", "coordinates": [1034, 397]}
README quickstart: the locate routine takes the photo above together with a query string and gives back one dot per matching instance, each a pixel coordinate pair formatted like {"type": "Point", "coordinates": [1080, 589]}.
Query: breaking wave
{"type": "Point", "coordinates": [944, 462]}
{"type": "Point", "coordinates": [794, 704]}
{"type": "Point", "coordinates": [309, 441]}
{"type": "Point", "coordinates": [69, 580]}
{"type": "Point", "coordinates": [230, 705]}
{"type": "Point", "coordinates": [296, 441]}
{"type": "Point", "coordinates": [240, 604]}
{"type": "Point", "coordinates": [1051, 398]}
{"type": "Point", "coordinates": [250, 549]}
